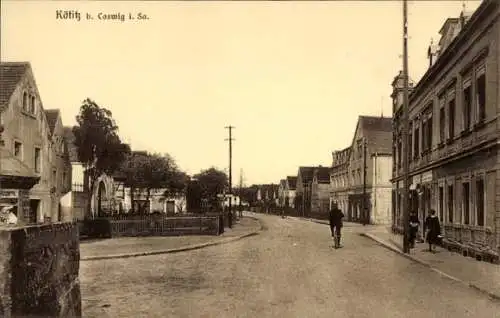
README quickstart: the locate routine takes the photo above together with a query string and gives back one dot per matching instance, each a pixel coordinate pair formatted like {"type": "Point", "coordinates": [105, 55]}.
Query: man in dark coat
{"type": "Point", "coordinates": [336, 223]}
{"type": "Point", "coordinates": [433, 230]}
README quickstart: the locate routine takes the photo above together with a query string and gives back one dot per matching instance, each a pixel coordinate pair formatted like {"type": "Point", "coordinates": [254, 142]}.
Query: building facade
{"type": "Point", "coordinates": [369, 193]}
{"type": "Point", "coordinates": [339, 179]}
{"type": "Point", "coordinates": [454, 158]}
{"type": "Point", "coordinates": [320, 192]}
{"type": "Point", "coordinates": [290, 187]}
{"type": "Point", "coordinates": [33, 149]}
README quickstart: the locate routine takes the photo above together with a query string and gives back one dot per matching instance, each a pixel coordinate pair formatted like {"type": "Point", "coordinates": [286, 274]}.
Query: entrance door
{"type": "Point", "coordinates": [170, 207]}
{"type": "Point", "coordinates": [32, 217]}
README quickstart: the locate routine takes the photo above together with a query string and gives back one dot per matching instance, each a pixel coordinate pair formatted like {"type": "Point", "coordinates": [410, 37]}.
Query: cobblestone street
{"type": "Point", "coordinates": [288, 270]}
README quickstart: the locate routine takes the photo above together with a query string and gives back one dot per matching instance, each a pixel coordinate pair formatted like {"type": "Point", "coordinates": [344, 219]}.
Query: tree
{"type": "Point", "coordinates": [146, 172]}
{"type": "Point", "coordinates": [212, 182]}
{"type": "Point", "coordinates": [99, 147]}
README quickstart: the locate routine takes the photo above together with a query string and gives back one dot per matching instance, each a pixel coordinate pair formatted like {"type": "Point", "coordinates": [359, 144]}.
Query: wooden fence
{"type": "Point", "coordinates": [145, 225]}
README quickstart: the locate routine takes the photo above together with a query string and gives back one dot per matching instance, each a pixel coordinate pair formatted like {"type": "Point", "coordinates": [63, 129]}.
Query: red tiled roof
{"type": "Point", "coordinates": [52, 115]}
{"type": "Point", "coordinates": [10, 75]}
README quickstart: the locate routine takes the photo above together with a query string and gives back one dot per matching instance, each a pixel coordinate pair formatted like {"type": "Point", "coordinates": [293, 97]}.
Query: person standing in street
{"type": "Point", "coordinates": [433, 230]}
{"type": "Point", "coordinates": [336, 217]}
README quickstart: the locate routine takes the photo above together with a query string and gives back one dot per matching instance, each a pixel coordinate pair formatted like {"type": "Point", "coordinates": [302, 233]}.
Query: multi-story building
{"type": "Point", "coordinates": [35, 169]}
{"type": "Point", "coordinates": [303, 190]}
{"type": "Point", "coordinates": [290, 187]}
{"type": "Point", "coordinates": [320, 192]}
{"type": "Point", "coordinates": [453, 112]}
{"type": "Point", "coordinates": [369, 166]}
{"type": "Point", "coordinates": [281, 192]}
{"type": "Point", "coordinates": [339, 182]}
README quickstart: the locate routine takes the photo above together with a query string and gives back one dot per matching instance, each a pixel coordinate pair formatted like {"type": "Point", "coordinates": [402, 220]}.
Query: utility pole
{"type": "Point", "coordinates": [230, 140]}
{"type": "Point", "coordinates": [406, 225]}
{"type": "Point", "coordinates": [240, 191]}
{"type": "Point", "coordinates": [366, 219]}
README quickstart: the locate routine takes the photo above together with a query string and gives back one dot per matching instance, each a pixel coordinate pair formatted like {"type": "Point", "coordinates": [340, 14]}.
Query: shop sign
{"type": "Point", "coordinates": [426, 177]}
{"type": "Point", "coordinates": [9, 194]}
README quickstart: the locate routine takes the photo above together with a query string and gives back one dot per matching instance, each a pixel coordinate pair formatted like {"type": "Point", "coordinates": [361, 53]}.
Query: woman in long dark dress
{"type": "Point", "coordinates": [433, 230]}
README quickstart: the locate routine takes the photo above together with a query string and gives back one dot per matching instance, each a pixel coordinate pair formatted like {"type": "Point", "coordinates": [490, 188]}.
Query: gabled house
{"type": "Point", "coordinates": [290, 187]}
{"type": "Point", "coordinates": [302, 202]}
{"type": "Point", "coordinates": [281, 192]}
{"type": "Point", "coordinates": [370, 172]}
{"type": "Point", "coordinates": [34, 168]}
{"type": "Point", "coordinates": [320, 192]}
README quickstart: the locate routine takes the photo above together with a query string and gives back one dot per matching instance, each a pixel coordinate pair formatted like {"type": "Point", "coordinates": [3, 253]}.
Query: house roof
{"type": "Point", "coordinates": [52, 115]}
{"type": "Point", "coordinates": [322, 174]}
{"type": "Point", "coordinates": [10, 75]}
{"type": "Point", "coordinates": [378, 133]}
{"type": "Point", "coordinates": [70, 142]}
{"type": "Point", "coordinates": [306, 173]}
{"type": "Point", "coordinates": [292, 182]}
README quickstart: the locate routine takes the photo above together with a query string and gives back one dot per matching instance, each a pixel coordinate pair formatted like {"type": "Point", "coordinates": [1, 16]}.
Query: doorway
{"type": "Point", "coordinates": [33, 211]}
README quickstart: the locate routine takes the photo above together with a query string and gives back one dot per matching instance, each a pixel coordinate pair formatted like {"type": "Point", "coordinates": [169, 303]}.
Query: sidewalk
{"type": "Point", "coordinates": [140, 246]}
{"type": "Point", "coordinates": [481, 276]}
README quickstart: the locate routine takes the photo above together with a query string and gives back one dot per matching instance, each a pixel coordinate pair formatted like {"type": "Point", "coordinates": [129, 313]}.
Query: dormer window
{"type": "Point", "coordinates": [25, 101]}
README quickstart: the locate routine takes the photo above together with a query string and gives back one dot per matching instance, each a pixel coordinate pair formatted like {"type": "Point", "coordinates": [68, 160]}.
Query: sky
{"type": "Point", "coordinates": [292, 77]}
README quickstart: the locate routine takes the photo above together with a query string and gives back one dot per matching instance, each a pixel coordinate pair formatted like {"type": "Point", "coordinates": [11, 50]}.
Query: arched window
{"type": "Point", "coordinates": [25, 101]}
{"type": "Point", "coordinates": [32, 105]}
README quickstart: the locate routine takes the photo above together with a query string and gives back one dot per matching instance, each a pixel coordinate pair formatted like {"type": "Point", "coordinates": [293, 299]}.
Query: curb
{"type": "Point", "coordinates": [179, 249]}
{"type": "Point", "coordinates": [428, 265]}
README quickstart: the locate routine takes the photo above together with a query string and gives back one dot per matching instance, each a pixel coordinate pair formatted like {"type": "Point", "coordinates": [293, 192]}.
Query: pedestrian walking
{"type": "Point", "coordinates": [336, 217]}
{"type": "Point", "coordinates": [414, 224]}
{"type": "Point", "coordinates": [433, 230]}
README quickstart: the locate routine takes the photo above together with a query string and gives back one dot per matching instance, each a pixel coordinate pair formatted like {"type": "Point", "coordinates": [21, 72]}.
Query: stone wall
{"type": "Point", "coordinates": [39, 268]}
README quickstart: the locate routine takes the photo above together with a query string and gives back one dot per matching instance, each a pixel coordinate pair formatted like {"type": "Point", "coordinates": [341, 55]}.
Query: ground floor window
{"type": "Point", "coordinates": [441, 203]}
{"type": "Point", "coordinates": [450, 204]}
{"type": "Point", "coordinates": [466, 202]}
{"type": "Point", "coordinates": [480, 202]}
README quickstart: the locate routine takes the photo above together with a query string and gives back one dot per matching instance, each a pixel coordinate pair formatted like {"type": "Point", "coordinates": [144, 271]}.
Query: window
{"type": "Point", "coordinates": [54, 176]}
{"type": "Point", "coordinates": [410, 140]}
{"type": "Point", "coordinates": [451, 118]}
{"type": "Point", "coordinates": [25, 101]}
{"type": "Point", "coordinates": [480, 202]}
{"type": "Point", "coordinates": [37, 159]}
{"type": "Point", "coordinates": [466, 202]}
{"type": "Point", "coordinates": [441, 204]}
{"type": "Point", "coordinates": [32, 105]}
{"type": "Point", "coordinates": [18, 149]}
{"type": "Point", "coordinates": [450, 204]}
{"type": "Point", "coordinates": [481, 96]}
{"type": "Point", "coordinates": [442, 122]}
{"type": "Point", "coordinates": [64, 177]}
{"type": "Point", "coordinates": [416, 142]}
{"type": "Point", "coordinates": [400, 152]}
{"type": "Point", "coordinates": [467, 104]}
{"type": "Point", "coordinates": [429, 133]}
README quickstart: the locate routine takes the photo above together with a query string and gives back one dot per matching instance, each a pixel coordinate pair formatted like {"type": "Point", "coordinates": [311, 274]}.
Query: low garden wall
{"type": "Point", "coordinates": [152, 226]}
{"type": "Point", "coordinates": [39, 267]}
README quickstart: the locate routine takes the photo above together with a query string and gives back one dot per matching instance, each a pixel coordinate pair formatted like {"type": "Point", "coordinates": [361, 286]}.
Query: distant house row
{"type": "Point", "coordinates": [358, 181]}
